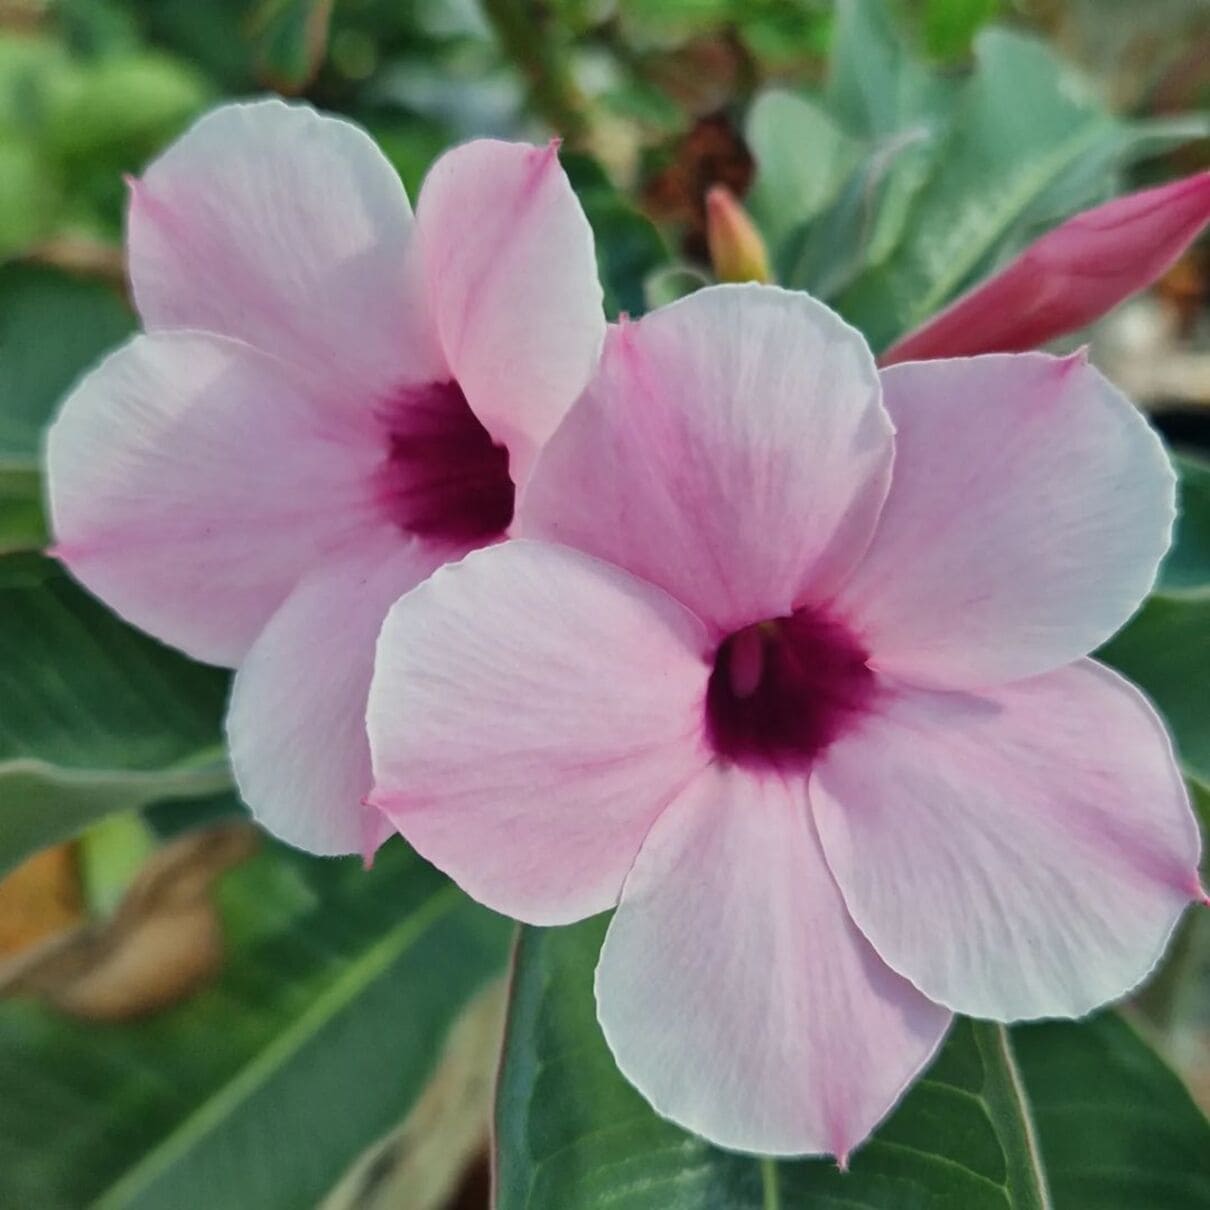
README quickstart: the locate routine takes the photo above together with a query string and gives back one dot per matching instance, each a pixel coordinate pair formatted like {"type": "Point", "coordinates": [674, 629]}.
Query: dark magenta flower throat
{"type": "Point", "coordinates": [781, 691]}
{"type": "Point", "coordinates": [444, 477]}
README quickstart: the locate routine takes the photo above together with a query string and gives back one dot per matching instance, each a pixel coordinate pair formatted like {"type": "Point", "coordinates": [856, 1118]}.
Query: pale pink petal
{"type": "Point", "coordinates": [192, 481]}
{"type": "Point", "coordinates": [735, 992]}
{"type": "Point", "coordinates": [297, 720]}
{"type": "Point", "coordinates": [512, 276]}
{"type": "Point", "coordinates": [1030, 508]}
{"type": "Point", "coordinates": [1021, 852]}
{"type": "Point", "coordinates": [1068, 278]}
{"type": "Point", "coordinates": [273, 224]}
{"type": "Point", "coordinates": [732, 448]}
{"type": "Point", "coordinates": [531, 712]}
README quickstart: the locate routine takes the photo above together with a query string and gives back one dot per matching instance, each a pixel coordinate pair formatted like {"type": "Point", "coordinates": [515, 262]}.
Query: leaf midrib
{"type": "Point", "coordinates": [372, 964]}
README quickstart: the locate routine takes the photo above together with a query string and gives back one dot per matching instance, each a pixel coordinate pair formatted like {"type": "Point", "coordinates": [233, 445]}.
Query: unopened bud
{"type": "Point", "coordinates": [737, 251]}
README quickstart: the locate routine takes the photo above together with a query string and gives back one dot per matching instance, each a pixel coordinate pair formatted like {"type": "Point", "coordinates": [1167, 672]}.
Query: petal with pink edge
{"type": "Point", "coordinates": [297, 720]}
{"type": "Point", "coordinates": [1030, 508]}
{"type": "Point", "coordinates": [192, 481]}
{"type": "Point", "coordinates": [532, 711]}
{"type": "Point", "coordinates": [735, 992]}
{"type": "Point", "coordinates": [1020, 852]}
{"type": "Point", "coordinates": [732, 448]}
{"type": "Point", "coordinates": [512, 275]}
{"type": "Point", "coordinates": [1068, 278]}
{"type": "Point", "coordinates": [273, 224]}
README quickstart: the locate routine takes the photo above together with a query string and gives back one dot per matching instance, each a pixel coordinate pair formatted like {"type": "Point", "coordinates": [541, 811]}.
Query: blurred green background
{"type": "Point", "coordinates": [193, 1015]}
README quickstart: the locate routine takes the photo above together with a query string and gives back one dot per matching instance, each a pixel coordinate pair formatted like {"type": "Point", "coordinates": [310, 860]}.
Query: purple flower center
{"type": "Point", "coordinates": [444, 477]}
{"type": "Point", "coordinates": [782, 691]}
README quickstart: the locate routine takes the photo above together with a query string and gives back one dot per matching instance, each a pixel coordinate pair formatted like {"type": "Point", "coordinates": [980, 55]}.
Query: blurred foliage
{"type": "Point", "coordinates": [336, 991]}
{"type": "Point", "coordinates": [891, 152]}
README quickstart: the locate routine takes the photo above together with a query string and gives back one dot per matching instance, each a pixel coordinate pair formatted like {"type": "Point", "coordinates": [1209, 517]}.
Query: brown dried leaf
{"type": "Point", "coordinates": [39, 899]}
{"type": "Point", "coordinates": [162, 944]}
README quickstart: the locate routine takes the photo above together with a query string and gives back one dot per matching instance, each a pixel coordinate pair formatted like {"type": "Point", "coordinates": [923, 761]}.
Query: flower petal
{"type": "Point", "coordinates": [734, 990]}
{"type": "Point", "coordinates": [512, 276]}
{"type": "Point", "coordinates": [275, 225]}
{"type": "Point", "coordinates": [192, 481]}
{"type": "Point", "coordinates": [1030, 508]}
{"type": "Point", "coordinates": [732, 449]}
{"type": "Point", "coordinates": [297, 720]}
{"type": "Point", "coordinates": [1070, 277]}
{"type": "Point", "coordinates": [532, 710]}
{"type": "Point", "coordinates": [1023, 852]}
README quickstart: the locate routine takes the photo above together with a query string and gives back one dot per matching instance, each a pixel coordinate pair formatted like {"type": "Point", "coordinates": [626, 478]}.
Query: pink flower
{"type": "Point", "coordinates": [1068, 278]}
{"type": "Point", "coordinates": [330, 400]}
{"type": "Point", "coordinates": [794, 675]}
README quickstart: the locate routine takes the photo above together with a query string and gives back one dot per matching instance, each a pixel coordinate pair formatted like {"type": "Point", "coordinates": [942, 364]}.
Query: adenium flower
{"type": "Point", "coordinates": [1070, 277]}
{"type": "Point", "coordinates": [789, 664]}
{"type": "Point", "coordinates": [331, 398]}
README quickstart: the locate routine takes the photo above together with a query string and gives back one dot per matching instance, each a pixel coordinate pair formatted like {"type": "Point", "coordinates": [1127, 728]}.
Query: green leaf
{"type": "Point", "coordinates": [52, 327]}
{"type": "Point", "coordinates": [876, 85]}
{"type": "Point", "coordinates": [865, 222]}
{"type": "Point", "coordinates": [1029, 145]}
{"type": "Point", "coordinates": [1118, 1129]}
{"type": "Point", "coordinates": [629, 248]}
{"type": "Point", "coordinates": [22, 525]}
{"type": "Point", "coordinates": [120, 110]}
{"type": "Point", "coordinates": [94, 717]}
{"type": "Point", "coordinates": [1021, 124]}
{"type": "Point", "coordinates": [1165, 647]}
{"type": "Point", "coordinates": [29, 195]}
{"type": "Point", "coordinates": [671, 282]}
{"type": "Point", "coordinates": [572, 1134]}
{"type": "Point", "coordinates": [881, 92]}
{"type": "Point", "coordinates": [292, 41]}
{"type": "Point", "coordinates": [1188, 563]}
{"type": "Point", "coordinates": [336, 993]}
{"type": "Point", "coordinates": [950, 25]}
{"type": "Point", "coordinates": [803, 159]}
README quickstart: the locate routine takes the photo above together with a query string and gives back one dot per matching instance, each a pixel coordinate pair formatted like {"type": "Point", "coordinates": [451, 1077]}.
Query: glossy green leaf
{"type": "Point", "coordinates": [52, 328]}
{"type": "Point", "coordinates": [257, 1093]}
{"type": "Point", "coordinates": [1115, 1129]}
{"type": "Point", "coordinates": [94, 717]}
